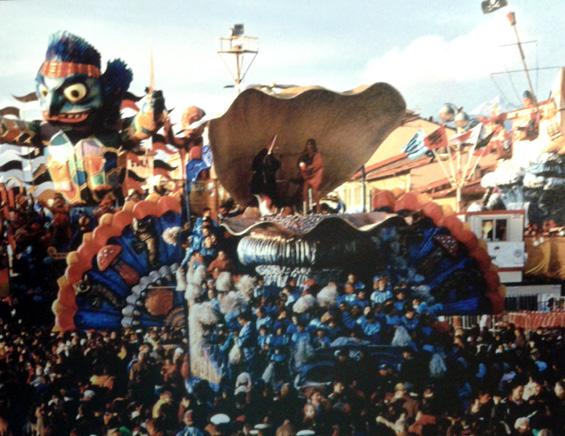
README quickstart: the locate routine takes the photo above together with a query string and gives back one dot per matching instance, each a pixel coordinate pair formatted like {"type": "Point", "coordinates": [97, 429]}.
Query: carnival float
{"type": "Point", "coordinates": [129, 271]}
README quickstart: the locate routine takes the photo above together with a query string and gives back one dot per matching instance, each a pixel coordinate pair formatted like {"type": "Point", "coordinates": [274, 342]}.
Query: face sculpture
{"type": "Point", "coordinates": [78, 102]}
{"type": "Point", "coordinates": [68, 83]}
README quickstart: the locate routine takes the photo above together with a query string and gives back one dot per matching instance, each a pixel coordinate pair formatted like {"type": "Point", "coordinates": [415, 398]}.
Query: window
{"type": "Point", "coordinates": [494, 229]}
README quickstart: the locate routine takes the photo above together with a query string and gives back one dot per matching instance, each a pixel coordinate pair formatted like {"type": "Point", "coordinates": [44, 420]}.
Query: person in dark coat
{"type": "Point", "coordinates": [264, 173]}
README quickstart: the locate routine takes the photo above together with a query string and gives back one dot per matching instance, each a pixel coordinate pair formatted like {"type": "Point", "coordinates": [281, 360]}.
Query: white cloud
{"type": "Point", "coordinates": [432, 59]}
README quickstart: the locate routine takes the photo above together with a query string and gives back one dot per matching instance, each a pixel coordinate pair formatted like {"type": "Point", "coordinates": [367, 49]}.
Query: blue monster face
{"type": "Point", "coordinates": [68, 83]}
{"type": "Point", "coordinates": [71, 99]}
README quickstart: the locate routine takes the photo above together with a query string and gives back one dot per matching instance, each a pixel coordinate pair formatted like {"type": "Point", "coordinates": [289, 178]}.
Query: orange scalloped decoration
{"type": "Point", "coordinates": [424, 199]}
{"type": "Point", "coordinates": [482, 258]}
{"type": "Point", "coordinates": [383, 200]}
{"type": "Point", "coordinates": [433, 211]}
{"type": "Point", "coordinates": [104, 232]}
{"type": "Point", "coordinates": [168, 203]}
{"type": "Point", "coordinates": [67, 297]}
{"type": "Point", "coordinates": [64, 322]}
{"type": "Point", "coordinates": [86, 237]}
{"type": "Point", "coordinates": [72, 257]}
{"type": "Point", "coordinates": [122, 219]}
{"type": "Point", "coordinates": [492, 280]}
{"type": "Point", "coordinates": [128, 206]}
{"type": "Point", "coordinates": [444, 216]}
{"type": "Point", "coordinates": [408, 201]}
{"type": "Point", "coordinates": [75, 272]}
{"type": "Point", "coordinates": [62, 282]}
{"type": "Point", "coordinates": [453, 224]}
{"type": "Point", "coordinates": [153, 197]}
{"type": "Point", "coordinates": [145, 208]}
{"type": "Point", "coordinates": [397, 192]}
{"type": "Point", "coordinates": [86, 251]}
{"type": "Point", "coordinates": [469, 239]}
{"type": "Point", "coordinates": [60, 308]}
{"type": "Point", "coordinates": [80, 262]}
{"type": "Point", "coordinates": [105, 219]}
{"type": "Point", "coordinates": [447, 210]}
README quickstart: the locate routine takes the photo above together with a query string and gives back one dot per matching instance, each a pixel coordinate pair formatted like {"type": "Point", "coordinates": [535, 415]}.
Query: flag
{"type": "Point", "coordinates": [436, 139]}
{"type": "Point", "coordinates": [415, 147]}
{"type": "Point", "coordinates": [489, 6]}
{"type": "Point", "coordinates": [483, 142]}
{"type": "Point", "coordinates": [33, 154]}
{"type": "Point", "coordinates": [207, 156]}
{"type": "Point", "coordinates": [133, 181]}
{"type": "Point", "coordinates": [158, 143]}
{"type": "Point", "coordinates": [162, 168]}
{"type": "Point", "coordinates": [10, 110]}
{"type": "Point", "coordinates": [133, 158]}
{"type": "Point", "coordinates": [470, 136]}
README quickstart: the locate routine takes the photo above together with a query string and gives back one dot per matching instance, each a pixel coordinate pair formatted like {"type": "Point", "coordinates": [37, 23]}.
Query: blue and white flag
{"type": "Point", "coordinates": [416, 146]}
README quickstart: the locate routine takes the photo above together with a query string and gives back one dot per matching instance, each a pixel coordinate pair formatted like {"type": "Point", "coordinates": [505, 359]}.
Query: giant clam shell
{"type": "Point", "coordinates": [348, 128]}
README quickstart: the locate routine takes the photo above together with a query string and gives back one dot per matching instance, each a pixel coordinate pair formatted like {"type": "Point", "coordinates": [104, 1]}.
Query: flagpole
{"type": "Point", "coordinates": [451, 167]}
{"type": "Point", "coordinates": [469, 158]}
{"type": "Point", "coordinates": [483, 152]}
{"type": "Point", "coordinates": [443, 168]}
{"type": "Point", "coordinates": [459, 178]}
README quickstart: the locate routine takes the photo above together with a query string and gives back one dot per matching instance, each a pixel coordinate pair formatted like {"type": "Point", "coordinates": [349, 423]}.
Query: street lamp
{"type": "Point", "coordinates": [241, 48]}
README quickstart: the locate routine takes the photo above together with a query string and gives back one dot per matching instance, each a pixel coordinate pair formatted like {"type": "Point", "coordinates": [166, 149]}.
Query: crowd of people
{"type": "Point", "coordinates": [503, 381]}
{"type": "Point", "coordinates": [348, 358]}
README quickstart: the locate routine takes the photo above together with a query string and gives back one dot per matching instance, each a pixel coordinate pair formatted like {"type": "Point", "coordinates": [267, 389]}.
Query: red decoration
{"type": "Point", "coordinates": [383, 200]}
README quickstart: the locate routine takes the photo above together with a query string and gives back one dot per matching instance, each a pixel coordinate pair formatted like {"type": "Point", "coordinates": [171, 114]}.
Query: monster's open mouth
{"type": "Point", "coordinates": [71, 117]}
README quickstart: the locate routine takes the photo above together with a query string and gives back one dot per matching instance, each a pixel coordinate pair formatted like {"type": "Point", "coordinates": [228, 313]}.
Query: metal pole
{"type": "Point", "coordinates": [458, 178]}
{"type": "Point", "coordinates": [512, 18]}
{"type": "Point", "coordinates": [458, 195]}
{"type": "Point", "coordinates": [364, 180]}
{"type": "Point", "coordinates": [238, 73]}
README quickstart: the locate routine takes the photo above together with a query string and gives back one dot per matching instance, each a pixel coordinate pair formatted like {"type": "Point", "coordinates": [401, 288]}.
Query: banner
{"type": "Point", "coordinates": [415, 147]}
{"type": "Point", "coordinates": [437, 139]}
{"type": "Point", "coordinates": [489, 6]}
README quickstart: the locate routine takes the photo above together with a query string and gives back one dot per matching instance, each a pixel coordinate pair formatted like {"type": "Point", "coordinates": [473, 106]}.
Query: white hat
{"type": "Point", "coordinates": [88, 394]}
{"type": "Point", "coordinates": [306, 433]}
{"type": "Point", "coordinates": [262, 426]}
{"type": "Point", "coordinates": [219, 419]}
{"type": "Point", "coordinates": [521, 422]}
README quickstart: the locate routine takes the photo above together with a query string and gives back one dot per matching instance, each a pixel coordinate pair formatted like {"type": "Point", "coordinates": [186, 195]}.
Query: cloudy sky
{"type": "Point", "coordinates": [432, 51]}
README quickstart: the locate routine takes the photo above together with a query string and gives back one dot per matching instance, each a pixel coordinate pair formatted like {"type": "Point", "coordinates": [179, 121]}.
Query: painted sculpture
{"type": "Point", "coordinates": [82, 132]}
{"type": "Point", "coordinates": [123, 273]}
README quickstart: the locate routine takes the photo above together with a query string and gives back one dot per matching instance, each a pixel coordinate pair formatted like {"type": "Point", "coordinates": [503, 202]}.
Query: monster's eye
{"type": "Point", "coordinates": [75, 93]}
{"type": "Point", "coordinates": [43, 91]}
